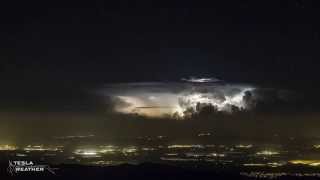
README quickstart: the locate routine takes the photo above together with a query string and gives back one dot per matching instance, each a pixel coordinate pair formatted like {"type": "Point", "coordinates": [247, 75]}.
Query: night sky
{"type": "Point", "coordinates": [56, 54]}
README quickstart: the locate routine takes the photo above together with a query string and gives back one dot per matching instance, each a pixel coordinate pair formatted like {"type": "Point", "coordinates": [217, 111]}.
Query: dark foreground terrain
{"type": "Point", "coordinates": [142, 171]}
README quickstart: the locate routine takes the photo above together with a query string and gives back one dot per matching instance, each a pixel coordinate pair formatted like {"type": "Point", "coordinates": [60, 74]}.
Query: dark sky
{"type": "Point", "coordinates": [102, 41]}
{"type": "Point", "coordinates": [52, 52]}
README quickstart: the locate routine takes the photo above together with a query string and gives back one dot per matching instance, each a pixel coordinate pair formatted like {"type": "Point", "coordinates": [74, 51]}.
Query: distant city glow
{"type": "Point", "coordinates": [106, 163]}
{"type": "Point", "coordinates": [129, 150]}
{"type": "Point", "coordinates": [41, 148]}
{"type": "Point", "coordinates": [317, 146]}
{"type": "Point", "coordinates": [277, 175]}
{"type": "Point", "coordinates": [269, 164]}
{"type": "Point", "coordinates": [185, 146]}
{"type": "Point", "coordinates": [306, 162]}
{"type": "Point", "coordinates": [204, 134]}
{"type": "Point", "coordinates": [7, 147]}
{"type": "Point", "coordinates": [216, 155]}
{"type": "Point", "coordinates": [178, 159]}
{"type": "Point", "coordinates": [148, 149]}
{"type": "Point", "coordinates": [254, 164]}
{"type": "Point", "coordinates": [74, 137]}
{"type": "Point", "coordinates": [108, 149]}
{"type": "Point", "coordinates": [172, 154]}
{"type": "Point", "coordinates": [86, 152]}
{"type": "Point", "coordinates": [267, 153]}
{"type": "Point", "coordinates": [276, 164]}
{"type": "Point", "coordinates": [244, 146]}
{"type": "Point", "coordinates": [227, 154]}
{"type": "Point", "coordinates": [20, 155]}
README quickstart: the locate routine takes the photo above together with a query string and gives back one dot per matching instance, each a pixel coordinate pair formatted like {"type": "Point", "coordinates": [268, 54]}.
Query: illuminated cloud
{"type": "Point", "coordinates": [221, 98]}
{"type": "Point", "coordinates": [175, 98]}
{"type": "Point", "coordinates": [201, 80]}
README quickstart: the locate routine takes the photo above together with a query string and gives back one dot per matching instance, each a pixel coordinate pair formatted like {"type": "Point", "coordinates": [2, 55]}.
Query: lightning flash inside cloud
{"type": "Point", "coordinates": [159, 99]}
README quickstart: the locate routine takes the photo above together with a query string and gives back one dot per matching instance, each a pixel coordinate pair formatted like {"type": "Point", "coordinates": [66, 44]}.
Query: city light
{"type": "Point", "coordinates": [216, 155]}
{"type": "Point", "coordinates": [267, 153]}
{"type": "Point", "coordinates": [317, 146]}
{"type": "Point", "coordinates": [108, 149]}
{"type": "Point", "coordinates": [244, 146]}
{"type": "Point", "coordinates": [269, 164]}
{"type": "Point", "coordinates": [185, 146]}
{"type": "Point", "coordinates": [306, 162]}
{"type": "Point", "coordinates": [204, 134]}
{"type": "Point", "coordinates": [7, 147]}
{"type": "Point", "coordinates": [42, 148]}
{"type": "Point", "coordinates": [129, 150]}
{"type": "Point", "coordinates": [86, 152]}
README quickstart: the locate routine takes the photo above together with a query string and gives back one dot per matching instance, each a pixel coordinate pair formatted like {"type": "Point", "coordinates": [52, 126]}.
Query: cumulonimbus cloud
{"type": "Point", "coordinates": [159, 98]}
{"type": "Point", "coordinates": [176, 98]}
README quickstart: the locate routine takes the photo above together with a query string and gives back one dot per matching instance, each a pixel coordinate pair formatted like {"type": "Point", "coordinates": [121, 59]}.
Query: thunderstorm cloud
{"type": "Point", "coordinates": [156, 99]}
